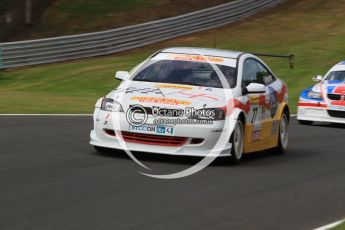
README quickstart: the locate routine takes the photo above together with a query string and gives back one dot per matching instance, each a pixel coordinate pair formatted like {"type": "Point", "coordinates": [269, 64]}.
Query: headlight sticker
{"type": "Point", "coordinates": [160, 100]}
{"type": "Point", "coordinates": [173, 86]}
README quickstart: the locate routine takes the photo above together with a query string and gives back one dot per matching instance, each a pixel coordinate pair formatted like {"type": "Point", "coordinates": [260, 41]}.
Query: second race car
{"type": "Point", "coordinates": [325, 101]}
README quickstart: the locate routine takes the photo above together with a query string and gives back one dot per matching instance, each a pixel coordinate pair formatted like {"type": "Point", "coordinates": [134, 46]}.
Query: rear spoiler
{"type": "Point", "coordinates": [291, 57]}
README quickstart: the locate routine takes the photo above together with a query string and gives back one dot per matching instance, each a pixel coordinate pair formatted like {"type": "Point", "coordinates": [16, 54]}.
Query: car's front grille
{"type": "Point", "coordinates": [334, 97]}
{"type": "Point", "coordinates": [336, 113]}
{"type": "Point", "coordinates": [153, 139]}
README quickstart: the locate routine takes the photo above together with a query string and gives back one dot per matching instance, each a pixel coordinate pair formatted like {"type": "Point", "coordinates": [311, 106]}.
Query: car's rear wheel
{"type": "Point", "coordinates": [237, 142]}
{"type": "Point", "coordinates": [304, 122]}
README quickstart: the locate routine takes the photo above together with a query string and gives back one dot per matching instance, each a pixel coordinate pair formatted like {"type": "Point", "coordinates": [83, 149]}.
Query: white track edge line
{"type": "Point", "coordinates": [329, 226]}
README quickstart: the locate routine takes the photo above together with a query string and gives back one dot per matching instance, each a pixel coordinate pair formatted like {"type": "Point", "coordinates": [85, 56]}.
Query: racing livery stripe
{"type": "Point", "coordinates": [339, 90]}
{"type": "Point", "coordinates": [312, 104]}
{"type": "Point", "coordinates": [282, 93]}
{"type": "Point", "coordinates": [234, 103]}
{"type": "Point", "coordinates": [339, 103]}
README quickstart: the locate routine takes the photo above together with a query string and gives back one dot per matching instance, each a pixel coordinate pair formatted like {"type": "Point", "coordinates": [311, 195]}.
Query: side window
{"type": "Point", "coordinates": [255, 72]}
{"type": "Point", "coordinates": [265, 74]}
{"type": "Point", "coordinates": [250, 70]}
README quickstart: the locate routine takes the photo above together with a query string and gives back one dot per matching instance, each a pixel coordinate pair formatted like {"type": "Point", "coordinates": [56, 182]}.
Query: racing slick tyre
{"type": "Point", "coordinates": [303, 122]}
{"type": "Point", "coordinates": [237, 143]}
{"type": "Point", "coordinates": [283, 136]}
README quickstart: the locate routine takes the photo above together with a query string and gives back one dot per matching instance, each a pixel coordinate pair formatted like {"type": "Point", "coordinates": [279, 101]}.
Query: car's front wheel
{"type": "Point", "coordinates": [237, 142]}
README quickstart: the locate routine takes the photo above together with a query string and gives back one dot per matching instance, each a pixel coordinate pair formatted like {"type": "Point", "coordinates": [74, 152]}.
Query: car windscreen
{"type": "Point", "coordinates": [338, 76]}
{"type": "Point", "coordinates": [185, 72]}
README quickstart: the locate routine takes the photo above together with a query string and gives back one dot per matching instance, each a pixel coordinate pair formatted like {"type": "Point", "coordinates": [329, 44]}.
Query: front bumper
{"type": "Point", "coordinates": [210, 134]}
{"type": "Point", "coordinates": [309, 113]}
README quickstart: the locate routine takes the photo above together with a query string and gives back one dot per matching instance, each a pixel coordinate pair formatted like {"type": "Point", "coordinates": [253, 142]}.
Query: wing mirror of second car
{"type": "Point", "coordinates": [256, 88]}
{"type": "Point", "coordinates": [317, 78]}
{"type": "Point", "coordinates": [121, 75]}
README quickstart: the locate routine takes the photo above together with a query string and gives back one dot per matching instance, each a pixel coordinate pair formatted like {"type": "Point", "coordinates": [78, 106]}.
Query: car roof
{"type": "Point", "coordinates": [203, 51]}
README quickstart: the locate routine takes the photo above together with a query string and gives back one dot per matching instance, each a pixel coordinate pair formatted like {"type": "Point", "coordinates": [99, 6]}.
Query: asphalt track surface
{"type": "Point", "coordinates": [51, 178]}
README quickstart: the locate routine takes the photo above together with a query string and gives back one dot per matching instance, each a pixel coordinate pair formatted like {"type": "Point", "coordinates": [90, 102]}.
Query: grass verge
{"type": "Point", "coordinates": [340, 227]}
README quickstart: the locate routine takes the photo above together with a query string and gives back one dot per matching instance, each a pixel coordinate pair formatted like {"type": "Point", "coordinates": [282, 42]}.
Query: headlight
{"type": "Point", "coordinates": [219, 114]}
{"type": "Point", "coordinates": [313, 94]}
{"type": "Point", "coordinates": [111, 105]}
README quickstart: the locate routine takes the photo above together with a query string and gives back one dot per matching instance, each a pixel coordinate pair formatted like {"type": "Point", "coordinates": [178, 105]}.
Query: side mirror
{"type": "Point", "coordinates": [121, 75]}
{"type": "Point", "coordinates": [256, 88]}
{"type": "Point", "coordinates": [317, 78]}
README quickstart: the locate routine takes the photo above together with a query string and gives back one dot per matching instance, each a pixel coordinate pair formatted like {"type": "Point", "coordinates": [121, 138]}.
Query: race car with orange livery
{"type": "Point", "coordinates": [183, 101]}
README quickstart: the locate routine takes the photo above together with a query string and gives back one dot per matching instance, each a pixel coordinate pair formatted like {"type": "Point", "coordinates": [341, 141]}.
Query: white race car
{"type": "Point", "coordinates": [325, 101]}
{"type": "Point", "coordinates": [181, 100]}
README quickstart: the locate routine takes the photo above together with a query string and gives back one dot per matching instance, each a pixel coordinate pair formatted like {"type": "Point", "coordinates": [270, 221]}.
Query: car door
{"type": "Point", "coordinates": [254, 134]}
{"type": "Point", "coordinates": [270, 120]}
{"type": "Point", "coordinates": [271, 103]}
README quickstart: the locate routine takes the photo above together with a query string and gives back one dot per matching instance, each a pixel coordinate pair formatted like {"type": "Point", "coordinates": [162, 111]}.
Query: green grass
{"type": "Point", "coordinates": [312, 30]}
{"type": "Point", "coordinates": [63, 88]}
{"type": "Point", "coordinates": [340, 227]}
